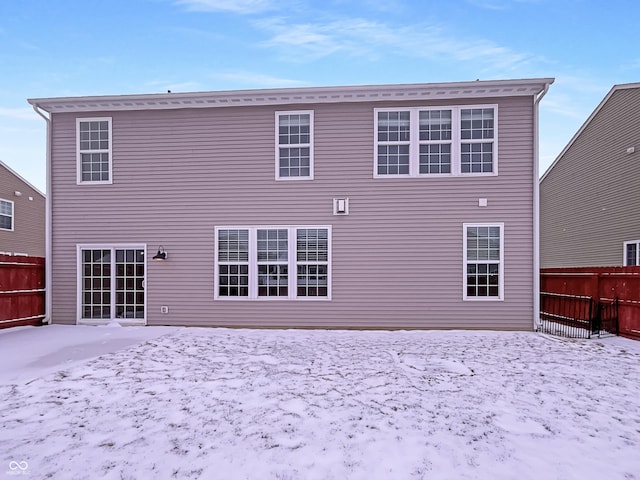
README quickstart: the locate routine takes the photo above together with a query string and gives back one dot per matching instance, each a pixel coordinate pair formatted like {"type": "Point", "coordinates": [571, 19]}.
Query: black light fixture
{"type": "Point", "coordinates": [161, 255]}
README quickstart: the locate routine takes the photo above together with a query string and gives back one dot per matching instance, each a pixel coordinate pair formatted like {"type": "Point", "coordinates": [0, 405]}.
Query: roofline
{"type": "Point", "coordinates": [298, 95]}
{"type": "Point", "coordinates": [21, 178]}
{"type": "Point", "coordinates": [615, 88]}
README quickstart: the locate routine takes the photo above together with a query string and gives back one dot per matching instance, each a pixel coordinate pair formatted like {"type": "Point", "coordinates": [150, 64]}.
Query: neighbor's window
{"type": "Point", "coordinates": [294, 145]}
{"type": "Point", "coordinates": [483, 261]}
{"type": "Point", "coordinates": [272, 262]}
{"type": "Point", "coordinates": [632, 253]}
{"type": "Point", "coordinates": [94, 150]}
{"type": "Point", "coordinates": [6, 215]}
{"type": "Point", "coordinates": [436, 141]}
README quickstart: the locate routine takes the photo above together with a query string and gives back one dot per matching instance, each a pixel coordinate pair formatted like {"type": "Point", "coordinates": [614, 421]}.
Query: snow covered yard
{"type": "Point", "coordinates": [275, 404]}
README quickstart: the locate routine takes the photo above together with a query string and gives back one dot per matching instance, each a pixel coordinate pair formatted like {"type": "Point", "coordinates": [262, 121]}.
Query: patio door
{"type": "Point", "coordinates": [111, 284]}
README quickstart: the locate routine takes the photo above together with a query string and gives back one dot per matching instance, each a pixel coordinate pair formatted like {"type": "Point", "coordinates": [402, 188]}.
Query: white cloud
{"type": "Point", "coordinates": [359, 37]}
{"type": "Point", "coordinates": [235, 6]}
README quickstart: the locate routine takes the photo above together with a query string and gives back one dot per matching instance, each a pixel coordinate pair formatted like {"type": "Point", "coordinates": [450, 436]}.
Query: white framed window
{"type": "Point", "coordinates": [93, 139]}
{"type": "Point", "coordinates": [294, 145]}
{"type": "Point", "coordinates": [631, 253]}
{"type": "Point", "coordinates": [6, 215]}
{"type": "Point", "coordinates": [436, 141]}
{"type": "Point", "coordinates": [272, 262]}
{"type": "Point", "coordinates": [483, 261]}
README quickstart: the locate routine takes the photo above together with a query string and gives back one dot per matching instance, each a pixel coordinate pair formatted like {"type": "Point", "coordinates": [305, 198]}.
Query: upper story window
{"type": "Point", "coordinates": [632, 253]}
{"type": "Point", "coordinates": [483, 261]}
{"type": "Point", "coordinates": [294, 145]}
{"type": "Point", "coordinates": [272, 263]}
{"type": "Point", "coordinates": [6, 214]}
{"type": "Point", "coordinates": [436, 141]}
{"type": "Point", "coordinates": [94, 150]}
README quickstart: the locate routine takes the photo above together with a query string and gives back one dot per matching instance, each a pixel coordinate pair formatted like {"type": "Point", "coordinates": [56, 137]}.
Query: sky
{"type": "Point", "coordinates": [110, 47]}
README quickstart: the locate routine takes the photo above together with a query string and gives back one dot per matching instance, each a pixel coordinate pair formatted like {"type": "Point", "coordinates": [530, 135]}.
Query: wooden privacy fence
{"type": "Point", "coordinates": [603, 284]}
{"type": "Point", "coordinates": [22, 290]}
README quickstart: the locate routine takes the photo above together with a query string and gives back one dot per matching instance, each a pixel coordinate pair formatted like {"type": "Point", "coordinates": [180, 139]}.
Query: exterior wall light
{"type": "Point", "coordinates": [161, 255]}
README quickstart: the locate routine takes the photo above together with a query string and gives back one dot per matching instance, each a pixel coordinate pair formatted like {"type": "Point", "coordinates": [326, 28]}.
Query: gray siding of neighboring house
{"type": "Point", "coordinates": [28, 235]}
{"type": "Point", "coordinates": [396, 259]}
{"type": "Point", "coordinates": [590, 199]}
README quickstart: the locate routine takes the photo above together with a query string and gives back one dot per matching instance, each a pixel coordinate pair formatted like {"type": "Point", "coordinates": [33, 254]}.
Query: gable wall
{"type": "Point", "coordinates": [28, 232]}
{"type": "Point", "coordinates": [589, 201]}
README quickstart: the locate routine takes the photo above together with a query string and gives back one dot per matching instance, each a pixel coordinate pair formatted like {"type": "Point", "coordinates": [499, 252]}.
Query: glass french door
{"type": "Point", "coordinates": [112, 283]}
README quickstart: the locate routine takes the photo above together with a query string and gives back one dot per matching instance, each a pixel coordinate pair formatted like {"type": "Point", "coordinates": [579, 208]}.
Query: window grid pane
{"type": "Point", "coordinates": [272, 247]}
{"type": "Point", "coordinates": [96, 284]}
{"type": "Point", "coordinates": [394, 126]}
{"type": "Point", "coordinates": [483, 261]}
{"type": "Point", "coordinates": [6, 215]}
{"type": "Point", "coordinates": [129, 279]}
{"type": "Point", "coordinates": [295, 162]}
{"type": "Point", "coordinates": [435, 158]}
{"type": "Point", "coordinates": [312, 246]}
{"type": "Point", "coordinates": [632, 254]}
{"type": "Point", "coordinates": [476, 123]}
{"type": "Point", "coordinates": [393, 159]}
{"type": "Point", "coordinates": [294, 145]}
{"type": "Point", "coordinates": [476, 157]}
{"type": "Point", "coordinates": [435, 125]}
{"type": "Point", "coordinates": [94, 145]}
{"type": "Point", "coordinates": [294, 129]}
{"type": "Point", "coordinates": [233, 275]}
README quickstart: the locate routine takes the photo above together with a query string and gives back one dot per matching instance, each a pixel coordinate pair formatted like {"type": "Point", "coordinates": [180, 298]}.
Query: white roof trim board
{"type": "Point", "coordinates": [290, 96]}
{"type": "Point", "coordinates": [622, 86]}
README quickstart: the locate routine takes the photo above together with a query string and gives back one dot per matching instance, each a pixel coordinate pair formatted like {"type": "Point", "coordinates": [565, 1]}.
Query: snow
{"type": "Point", "coordinates": [162, 402]}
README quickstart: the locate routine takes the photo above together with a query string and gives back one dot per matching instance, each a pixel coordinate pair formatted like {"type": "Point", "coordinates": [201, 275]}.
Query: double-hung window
{"type": "Point", "coordinates": [272, 263]}
{"type": "Point", "coordinates": [436, 141]}
{"type": "Point", "coordinates": [483, 261]}
{"type": "Point", "coordinates": [294, 145]}
{"type": "Point", "coordinates": [6, 214]}
{"type": "Point", "coordinates": [632, 253]}
{"type": "Point", "coordinates": [94, 150]}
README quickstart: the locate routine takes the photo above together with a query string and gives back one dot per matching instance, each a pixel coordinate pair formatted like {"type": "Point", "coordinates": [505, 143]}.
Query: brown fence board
{"type": "Point", "coordinates": [22, 290]}
{"type": "Point", "coordinates": [601, 283]}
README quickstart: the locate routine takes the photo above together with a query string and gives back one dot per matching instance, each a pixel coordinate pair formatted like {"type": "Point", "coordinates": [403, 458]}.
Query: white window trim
{"type": "Point", "coordinates": [310, 144]}
{"type": "Point", "coordinates": [456, 141]}
{"type": "Point", "coordinates": [624, 251]}
{"type": "Point", "coordinates": [79, 152]}
{"type": "Point", "coordinates": [105, 246]}
{"type": "Point", "coordinates": [253, 264]}
{"type": "Point", "coordinates": [500, 297]}
{"type": "Point", "coordinates": [13, 216]}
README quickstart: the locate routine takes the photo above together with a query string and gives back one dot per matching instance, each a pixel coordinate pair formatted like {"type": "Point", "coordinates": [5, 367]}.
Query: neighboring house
{"type": "Point", "coordinates": [392, 206]}
{"type": "Point", "coordinates": [22, 215]}
{"type": "Point", "coordinates": [590, 196]}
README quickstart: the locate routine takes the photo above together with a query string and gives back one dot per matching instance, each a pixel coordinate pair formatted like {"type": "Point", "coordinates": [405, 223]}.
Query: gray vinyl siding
{"type": "Point", "coordinates": [28, 232]}
{"type": "Point", "coordinates": [396, 258]}
{"type": "Point", "coordinates": [590, 199]}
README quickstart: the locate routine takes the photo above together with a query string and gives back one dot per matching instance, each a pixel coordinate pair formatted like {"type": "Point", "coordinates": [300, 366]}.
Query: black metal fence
{"type": "Point", "coordinates": [577, 316]}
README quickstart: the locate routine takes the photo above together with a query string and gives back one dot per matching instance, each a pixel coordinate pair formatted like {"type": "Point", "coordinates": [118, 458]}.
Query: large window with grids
{"type": "Point", "coordinates": [262, 263]}
{"type": "Point", "coordinates": [436, 141]}
{"type": "Point", "coordinates": [6, 214]}
{"type": "Point", "coordinates": [94, 150]}
{"type": "Point", "coordinates": [483, 261]}
{"type": "Point", "coordinates": [632, 253]}
{"type": "Point", "coordinates": [294, 145]}
{"type": "Point", "coordinates": [111, 283]}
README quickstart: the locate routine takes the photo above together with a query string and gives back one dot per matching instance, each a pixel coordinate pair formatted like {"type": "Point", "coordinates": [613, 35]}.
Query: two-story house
{"type": "Point", "coordinates": [389, 206]}
{"type": "Point", "coordinates": [22, 215]}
